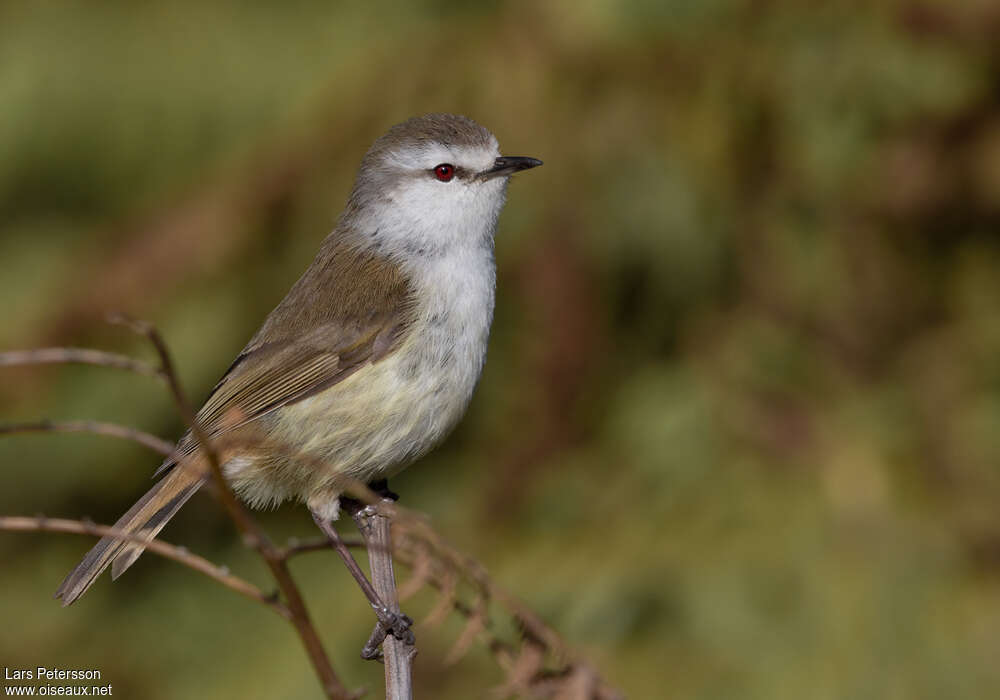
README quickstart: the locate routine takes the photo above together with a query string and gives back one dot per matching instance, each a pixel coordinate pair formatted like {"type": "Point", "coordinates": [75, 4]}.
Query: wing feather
{"type": "Point", "coordinates": [305, 347]}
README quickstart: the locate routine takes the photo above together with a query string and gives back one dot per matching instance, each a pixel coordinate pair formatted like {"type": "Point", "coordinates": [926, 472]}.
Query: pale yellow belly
{"type": "Point", "coordinates": [369, 426]}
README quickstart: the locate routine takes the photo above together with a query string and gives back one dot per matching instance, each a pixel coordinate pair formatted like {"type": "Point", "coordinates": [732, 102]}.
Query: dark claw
{"type": "Point", "coordinates": [371, 650]}
{"type": "Point", "coordinates": [396, 624]}
{"type": "Point", "coordinates": [381, 487]}
{"type": "Point", "coordinates": [402, 629]}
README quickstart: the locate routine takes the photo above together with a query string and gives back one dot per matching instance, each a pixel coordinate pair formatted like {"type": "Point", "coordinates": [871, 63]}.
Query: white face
{"type": "Point", "coordinates": [439, 199]}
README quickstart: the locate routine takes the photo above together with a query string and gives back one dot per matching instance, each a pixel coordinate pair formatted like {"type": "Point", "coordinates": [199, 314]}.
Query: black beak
{"type": "Point", "coordinates": [508, 165]}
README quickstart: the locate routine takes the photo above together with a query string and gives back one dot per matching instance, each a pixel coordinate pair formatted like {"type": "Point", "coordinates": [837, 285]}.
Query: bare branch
{"type": "Point", "coordinates": [415, 540]}
{"type": "Point", "coordinates": [475, 624]}
{"type": "Point", "coordinates": [447, 586]}
{"type": "Point", "coordinates": [436, 564]}
{"type": "Point", "coordinates": [252, 533]}
{"type": "Point", "coordinates": [88, 426]}
{"type": "Point", "coordinates": [375, 528]}
{"type": "Point", "coordinates": [318, 544]}
{"type": "Point", "coordinates": [180, 555]}
{"type": "Point", "coordinates": [84, 356]}
{"type": "Point", "coordinates": [528, 665]}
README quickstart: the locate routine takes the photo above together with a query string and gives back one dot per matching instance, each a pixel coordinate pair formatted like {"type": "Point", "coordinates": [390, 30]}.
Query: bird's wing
{"type": "Point", "coordinates": [306, 346]}
{"type": "Point", "coordinates": [281, 373]}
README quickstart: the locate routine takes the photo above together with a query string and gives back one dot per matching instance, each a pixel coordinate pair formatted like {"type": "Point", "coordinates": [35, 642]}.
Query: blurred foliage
{"type": "Point", "coordinates": [739, 430]}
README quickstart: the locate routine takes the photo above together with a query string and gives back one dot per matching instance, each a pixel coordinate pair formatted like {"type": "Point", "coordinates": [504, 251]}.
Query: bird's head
{"type": "Point", "coordinates": [433, 181]}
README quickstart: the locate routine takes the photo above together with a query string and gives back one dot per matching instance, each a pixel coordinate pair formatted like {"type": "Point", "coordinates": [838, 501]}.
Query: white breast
{"type": "Point", "coordinates": [451, 331]}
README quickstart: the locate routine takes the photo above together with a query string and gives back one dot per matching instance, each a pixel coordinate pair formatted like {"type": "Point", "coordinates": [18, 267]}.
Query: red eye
{"type": "Point", "coordinates": [444, 172]}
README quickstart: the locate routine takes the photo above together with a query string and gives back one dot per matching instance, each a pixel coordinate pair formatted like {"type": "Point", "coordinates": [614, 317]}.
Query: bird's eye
{"type": "Point", "coordinates": [444, 172]}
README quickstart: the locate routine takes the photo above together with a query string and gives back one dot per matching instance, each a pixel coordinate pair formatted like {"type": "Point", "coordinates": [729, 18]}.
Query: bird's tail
{"type": "Point", "coordinates": [145, 519]}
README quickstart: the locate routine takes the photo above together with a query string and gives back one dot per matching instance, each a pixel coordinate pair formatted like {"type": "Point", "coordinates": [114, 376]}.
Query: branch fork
{"type": "Point", "coordinates": [432, 562]}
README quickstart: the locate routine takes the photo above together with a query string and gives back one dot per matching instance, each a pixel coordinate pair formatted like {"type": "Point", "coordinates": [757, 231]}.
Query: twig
{"type": "Point", "coordinates": [419, 547]}
{"type": "Point", "coordinates": [88, 426]}
{"type": "Point", "coordinates": [316, 544]}
{"type": "Point", "coordinates": [253, 535]}
{"type": "Point", "coordinates": [374, 527]}
{"type": "Point", "coordinates": [432, 561]}
{"type": "Point", "coordinates": [164, 549]}
{"type": "Point", "coordinates": [85, 356]}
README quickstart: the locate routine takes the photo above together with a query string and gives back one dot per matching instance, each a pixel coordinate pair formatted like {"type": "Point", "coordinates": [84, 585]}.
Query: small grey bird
{"type": "Point", "coordinates": [371, 358]}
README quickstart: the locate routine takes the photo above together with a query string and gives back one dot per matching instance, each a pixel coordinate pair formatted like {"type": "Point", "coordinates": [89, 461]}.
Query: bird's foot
{"type": "Point", "coordinates": [388, 623]}
{"type": "Point", "coordinates": [380, 488]}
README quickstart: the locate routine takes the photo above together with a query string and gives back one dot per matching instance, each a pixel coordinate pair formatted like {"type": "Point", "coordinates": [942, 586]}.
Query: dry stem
{"type": "Point", "coordinates": [252, 533]}
{"type": "Point", "coordinates": [431, 560]}
{"type": "Point", "coordinates": [123, 432]}
{"type": "Point", "coordinates": [375, 528]}
{"type": "Point", "coordinates": [86, 356]}
{"type": "Point", "coordinates": [180, 555]}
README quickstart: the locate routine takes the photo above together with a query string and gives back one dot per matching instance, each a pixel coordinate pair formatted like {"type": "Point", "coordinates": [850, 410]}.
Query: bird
{"type": "Point", "coordinates": [371, 358]}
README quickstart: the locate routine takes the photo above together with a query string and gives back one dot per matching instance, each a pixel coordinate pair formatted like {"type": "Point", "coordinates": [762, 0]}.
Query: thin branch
{"type": "Point", "coordinates": [253, 535]}
{"type": "Point", "coordinates": [424, 535]}
{"type": "Point", "coordinates": [123, 432]}
{"type": "Point", "coordinates": [296, 546]}
{"type": "Point", "coordinates": [416, 544]}
{"type": "Point", "coordinates": [180, 555]}
{"type": "Point", "coordinates": [85, 356]}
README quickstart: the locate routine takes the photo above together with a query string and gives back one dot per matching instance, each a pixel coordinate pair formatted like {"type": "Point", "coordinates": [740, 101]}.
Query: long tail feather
{"type": "Point", "coordinates": [146, 518]}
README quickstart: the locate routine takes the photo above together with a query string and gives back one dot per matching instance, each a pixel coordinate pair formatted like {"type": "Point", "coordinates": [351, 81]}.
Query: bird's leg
{"type": "Point", "coordinates": [387, 621]}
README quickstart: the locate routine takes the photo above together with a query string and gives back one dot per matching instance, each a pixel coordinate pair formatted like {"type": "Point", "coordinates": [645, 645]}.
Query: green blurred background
{"type": "Point", "coordinates": [738, 435]}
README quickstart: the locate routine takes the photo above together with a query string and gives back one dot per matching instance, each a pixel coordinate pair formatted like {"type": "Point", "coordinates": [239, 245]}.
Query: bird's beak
{"type": "Point", "coordinates": [508, 165]}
